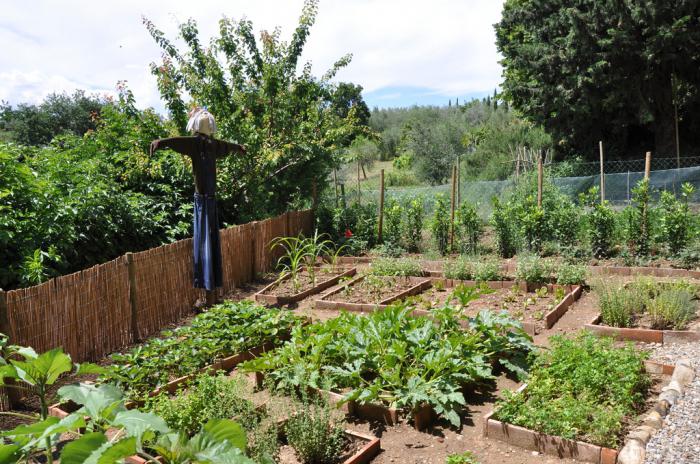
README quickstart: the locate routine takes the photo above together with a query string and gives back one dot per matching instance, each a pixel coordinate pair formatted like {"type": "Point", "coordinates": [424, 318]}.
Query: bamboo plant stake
{"type": "Point", "coordinates": [380, 223]}
{"type": "Point", "coordinates": [602, 174]}
{"type": "Point", "coordinates": [539, 181]}
{"type": "Point", "coordinates": [452, 213]}
{"type": "Point", "coordinates": [647, 165]}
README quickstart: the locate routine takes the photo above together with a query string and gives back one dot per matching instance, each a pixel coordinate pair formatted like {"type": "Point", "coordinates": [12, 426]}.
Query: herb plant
{"type": "Point", "coordinates": [400, 267]}
{"type": "Point", "coordinates": [583, 388]}
{"type": "Point", "coordinates": [315, 434]}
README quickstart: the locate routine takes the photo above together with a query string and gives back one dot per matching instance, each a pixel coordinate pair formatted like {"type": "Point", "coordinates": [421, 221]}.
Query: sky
{"type": "Point", "coordinates": [405, 52]}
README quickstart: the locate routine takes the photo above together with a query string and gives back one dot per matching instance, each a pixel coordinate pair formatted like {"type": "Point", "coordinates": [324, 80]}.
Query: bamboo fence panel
{"type": "Point", "coordinates": [87, 313]}
{"type": "Point", "coordinates": [164, 291]}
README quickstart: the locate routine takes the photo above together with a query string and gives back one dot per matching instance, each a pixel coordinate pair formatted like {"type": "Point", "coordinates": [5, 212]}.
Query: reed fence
{"type": "Point", "coordinates": [99, 310]}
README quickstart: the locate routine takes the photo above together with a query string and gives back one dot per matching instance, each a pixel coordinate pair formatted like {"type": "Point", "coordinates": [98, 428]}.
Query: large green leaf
{"type": "Point", "coordinates": [137, 423]}
{"type": "Point", "coordinates": [218, 430]}
{"type": "Point", "coordinates": [9, 454]}
{"type": "Point", "coordinates": [80, 450]}
{"type": "Point", "coordinates": [45, 368]}
{"type": "Point", "coordinates": [99, 401]}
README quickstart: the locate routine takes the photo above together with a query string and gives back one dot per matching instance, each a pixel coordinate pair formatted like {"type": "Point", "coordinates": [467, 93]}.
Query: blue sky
{"type": "Point", "coordinates": [405, 52]}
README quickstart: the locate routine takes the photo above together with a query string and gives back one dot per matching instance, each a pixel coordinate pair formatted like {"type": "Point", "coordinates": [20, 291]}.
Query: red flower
{"type": "Point", "coordinates": [348, 233]}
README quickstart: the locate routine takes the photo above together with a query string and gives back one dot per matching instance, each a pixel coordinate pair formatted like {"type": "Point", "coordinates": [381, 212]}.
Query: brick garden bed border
{"type": "Point", "coordinates": [420, 284]}
{"type": "Point", "coordinates": [554, 445]}
{"type": "Point", "coordinates": [267, 297]}
{"type": "Point", "coordinates": [573, 293]}
{"type": "Point", "coordinates": [641, 335]}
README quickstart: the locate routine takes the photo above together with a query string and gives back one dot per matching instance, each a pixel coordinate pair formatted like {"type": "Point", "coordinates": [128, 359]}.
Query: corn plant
{"type": "Point", "coordinates": [294, 259]}
{"type": "Point", "coordinates": [316, 247]}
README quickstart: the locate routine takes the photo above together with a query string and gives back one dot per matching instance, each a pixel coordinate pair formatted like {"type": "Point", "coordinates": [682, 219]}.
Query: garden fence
{"type": "Point", "coordinates": [96, 311]}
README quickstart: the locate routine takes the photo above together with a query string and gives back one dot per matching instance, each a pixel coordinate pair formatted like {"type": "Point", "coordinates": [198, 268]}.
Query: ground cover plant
{"type": "Point", "coordinates": [647, 303]}
{"type": "Point", "coordinates": [392, 358]}
{"type": "Point", "coordinates": [225, 330]}
{"type": "Point", "coordinates": [403, 267]}
{"type": "Point", "coordinates": [582, 388]}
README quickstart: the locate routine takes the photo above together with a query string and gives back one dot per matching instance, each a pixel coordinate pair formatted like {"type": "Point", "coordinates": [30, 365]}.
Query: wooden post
{"type": "Point", "coordinates": [314, 195]}
{"type": "Point", "coordinates": [647, 165]}
{"type": "Point", "coordinates": [342, 195]}
{"type": "Point", "coordinates": [539, 181]}
{"type": "Point", "coordinates": [335, 182]}
{"type": "Point", "coordinates": [517, 164]}
{"type": "Point", "coordinates": [459, 181]}
{"type": "Point", "coordinates": [14, 395]}
{"type": "Point", "coordinates": [380, 225]}
{"type": "Point", "coordinates": [602, 173]}
{"type": "Point", "coordinates": [359, 202]}
{"type": "Point", "coordinates": [132, 297]}
{"type": "Point", "coordinates": [452, 213]}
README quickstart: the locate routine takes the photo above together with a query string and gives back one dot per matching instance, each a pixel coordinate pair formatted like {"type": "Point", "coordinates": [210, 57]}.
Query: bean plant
{"type": "Point", "coordinates": [440, 225]}
{"type": "Point", "coordinates": [469, 228]}
{"type": "Point", "coordinates": [413, 224]}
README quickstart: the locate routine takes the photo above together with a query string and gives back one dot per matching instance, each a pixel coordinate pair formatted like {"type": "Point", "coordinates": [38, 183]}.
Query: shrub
{"type": "Point", "coordinates": [401, 179]}
{"type": "Point", "coordinates": [533, 269]}
{"type": "Point", "coordinates": [316, 436]}
{"type": "Point", "coordinates": [468, 228]}
{"type": "Point", "coordinates": [601, 223]}
{"type": "Point", "coordinates": [583, 388]}
{"type": "Point", "coordinates": [440, 225]}
{"type": "Point", "coordinates": [619, 304]}
{"type": "Point", "coordinates": [207, 397]}
{"type": "Point", "coordinates": [393, 213]}
{"type": "Point", "coordinates": [413, 224]}
{"type": "Point", "coordinates": [506, 238]}
{"type": "Point", "coordinates": [487, 270]}
{"type": "Point", "coordinates": [402, 267]}
{"type": "Point", "coordinates": [675, 218]}
{"type": "Point", "coordinates": [460, 269]}
{"type": "Point", "coordinates": [388, 250]}
{"type": "Point", "coordinates": [671, 309]}
{"type": "Point", "coordinates": [639, 227]}
{"type": "Point", "coordinates": [571, 274]}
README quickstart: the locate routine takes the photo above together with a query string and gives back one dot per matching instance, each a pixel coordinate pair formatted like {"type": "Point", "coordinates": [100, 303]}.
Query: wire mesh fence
{"type": "Point", "coordinates": [571, 177]}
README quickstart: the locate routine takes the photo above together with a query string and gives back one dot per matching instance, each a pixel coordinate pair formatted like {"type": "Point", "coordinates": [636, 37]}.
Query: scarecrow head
{"type": "Point", "coordinates": [201, 121]}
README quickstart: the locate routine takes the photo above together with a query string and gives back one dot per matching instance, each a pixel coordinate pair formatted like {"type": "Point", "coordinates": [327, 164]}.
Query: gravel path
{"type": "Point", "coordinates": [678, 441]}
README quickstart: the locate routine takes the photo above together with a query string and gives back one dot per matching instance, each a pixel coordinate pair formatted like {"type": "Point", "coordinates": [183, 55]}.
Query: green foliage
{"type": "Point", "coordinates": [421, 361]}
{"type": "Point", "coordinates": [533, 269]}
{"type": "Point", "coordinates": [601, 223]}
{"type": "Point", "coordinates": [468, 228]}
{"type": "Point", "coordinates": [465, 294]}
{"type": "Point", "coordinates": [413, 224]}
{"type": "Point", "coordinates": [570, 274]}
{"type": "Point", "coordinates": [393, 213]}
{"type": "Point", "coordinates": [593, 71]}
{"type": "Point", "coordinates": [464, 268]}
{"type": "Point", "coordinates": [399, 267]}
{"type": "Point", "coordinates": [294, 125]}
{"type": "Point", "coordinates": [440, 224]}
{"type": "Point", "coordinates": [206, 397]}
{"type": "Point", "coordinates": [225, 330]}
{"type": "Point", "coordinates": [676, 221]}
{"type": "Point", "coordinates": [672, 309]}
{"type": "Point", "coordinates": [582, 388]}
{"type": "Point", "coordinates": [639, 230]}
{"type": "Point", "coordinates": [316, 436]}
{"type": "Point", "coordinates": [462, 458]}
{"type": "Point", "coordinates": [619, 304]}
{"type": "Point", "coordinates": [506, 239]}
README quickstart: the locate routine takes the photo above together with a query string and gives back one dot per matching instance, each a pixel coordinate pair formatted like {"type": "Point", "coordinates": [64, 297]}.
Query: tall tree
{"type": "Point", "coordinates": [281, 114]}
{"type": "Point", "coordinates": [590, 70]}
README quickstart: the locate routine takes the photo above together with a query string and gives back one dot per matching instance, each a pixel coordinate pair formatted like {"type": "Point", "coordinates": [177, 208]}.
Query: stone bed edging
{"type": "Point", "coordinates": [634, 449]}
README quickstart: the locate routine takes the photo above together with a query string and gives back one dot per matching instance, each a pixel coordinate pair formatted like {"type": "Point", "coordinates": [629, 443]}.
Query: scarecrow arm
{"type": "Point", "coordinates": [222, 148]}
{"type": "Point", "coordinates": [182, 145]}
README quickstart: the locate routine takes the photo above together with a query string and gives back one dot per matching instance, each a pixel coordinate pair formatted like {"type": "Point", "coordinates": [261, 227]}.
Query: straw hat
{"type": "Point", "coordinates": [201, 122]}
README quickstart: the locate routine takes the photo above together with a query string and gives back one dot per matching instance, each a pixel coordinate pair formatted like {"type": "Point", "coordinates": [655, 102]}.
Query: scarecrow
{"type": "Point", "coordinates": [204, 150]}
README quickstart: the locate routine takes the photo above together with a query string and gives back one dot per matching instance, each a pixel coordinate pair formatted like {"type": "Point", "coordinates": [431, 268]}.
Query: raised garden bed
{"type": "Point", "coordinates": [535, 312]}
{"type": "Point", "coordinates": [642, 335]}
{"type": "Point", "coordinates": [283, 292]}
{"type": "Point", "coordinates": [369, 293]}
{"type": "Point", "coordinates": [582, 451]}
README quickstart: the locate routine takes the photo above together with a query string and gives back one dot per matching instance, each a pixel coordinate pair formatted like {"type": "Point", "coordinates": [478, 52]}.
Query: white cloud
{"type": "Point", "coordinates": [444, 46]}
